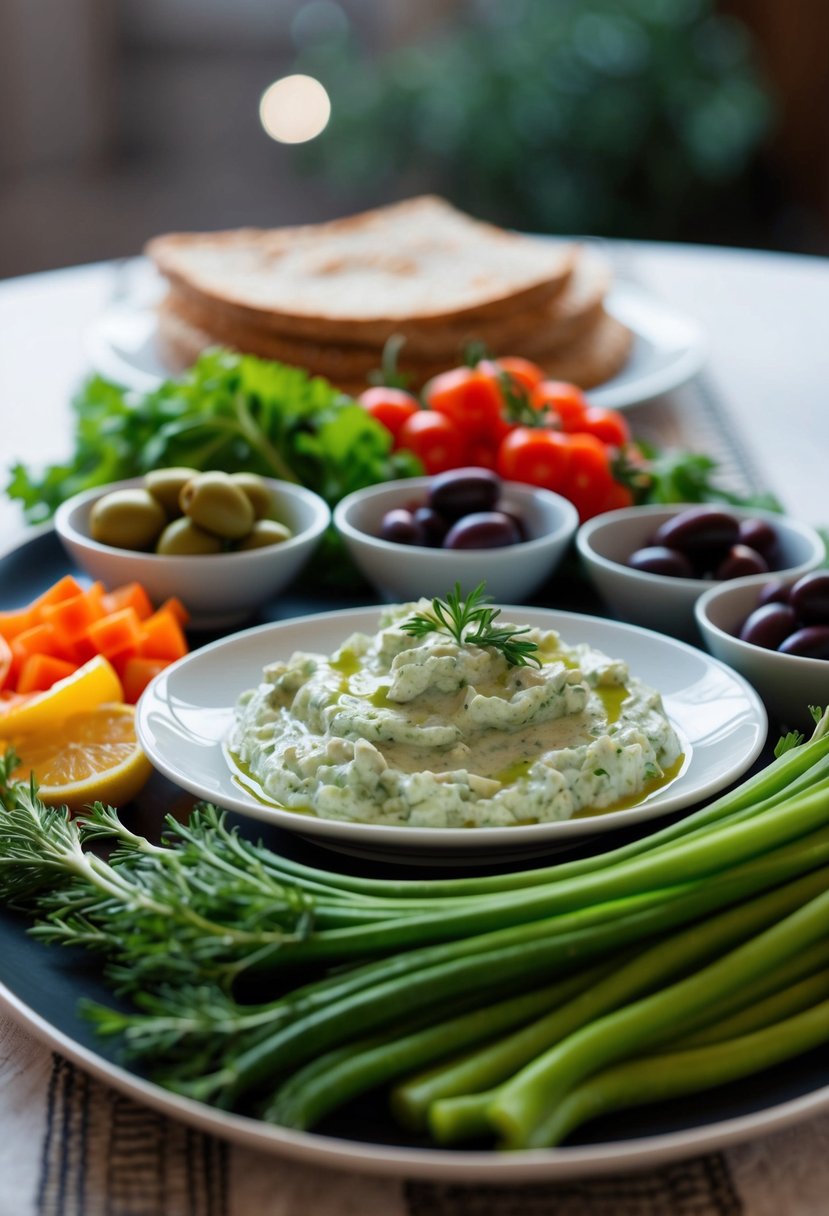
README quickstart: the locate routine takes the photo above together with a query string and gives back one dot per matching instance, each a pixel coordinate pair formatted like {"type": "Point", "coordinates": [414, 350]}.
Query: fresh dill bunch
{"type": "Point", "coordinates": [184, 910]}
{"type": "Point", "coordinates": [181, 1032]}
{"type": "Point", "coordinates": [470, 621]}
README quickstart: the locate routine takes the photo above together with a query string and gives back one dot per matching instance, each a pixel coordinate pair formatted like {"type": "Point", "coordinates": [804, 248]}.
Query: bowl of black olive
{"type": "Point", "coordinates": [775, 632]}
{"type": "Point", "coordinates": [651, 564]}
{"type": "Point", "coordinates": [419, 536]}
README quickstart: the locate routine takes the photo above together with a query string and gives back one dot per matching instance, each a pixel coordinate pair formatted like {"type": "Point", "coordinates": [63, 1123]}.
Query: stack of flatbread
{"type": "Point", "coordinates": [327, 297]}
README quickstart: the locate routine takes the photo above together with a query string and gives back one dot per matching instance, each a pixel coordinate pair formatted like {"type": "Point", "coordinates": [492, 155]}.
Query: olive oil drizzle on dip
{"type": "Point", "coordinates": [428, 731]}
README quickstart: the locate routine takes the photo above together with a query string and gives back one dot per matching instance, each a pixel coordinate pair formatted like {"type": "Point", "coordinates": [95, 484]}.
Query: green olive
{"type": "Point", "coordinates": [166, 486]}
{"type": "Point", "coordinates": [127, 519]}
{"type": "Point", "coordinates": [183, 538]}
{"type": "Point", "coordinates": [265, 532]}
{"type": "Point", "coordinates": [213, 502]}
{"type": "Point", "coordinates": [258, 491]}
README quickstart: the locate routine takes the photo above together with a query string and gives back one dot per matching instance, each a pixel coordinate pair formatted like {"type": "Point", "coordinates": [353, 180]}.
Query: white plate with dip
{"type": "Point", "coordinates": [186, 713]}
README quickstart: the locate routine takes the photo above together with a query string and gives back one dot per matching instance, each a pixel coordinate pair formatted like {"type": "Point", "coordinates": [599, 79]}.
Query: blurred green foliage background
{"type": "Point", "coordinates": [637, 118]}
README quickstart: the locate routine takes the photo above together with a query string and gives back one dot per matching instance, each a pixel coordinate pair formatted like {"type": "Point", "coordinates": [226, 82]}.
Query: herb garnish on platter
{"type": "Point", "coordinates": [456, 617]}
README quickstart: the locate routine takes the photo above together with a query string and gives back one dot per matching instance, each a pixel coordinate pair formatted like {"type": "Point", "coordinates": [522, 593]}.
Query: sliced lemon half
{"type": "Point", "coordinates": [89, 756]}
{"type": "Point", "coordinates": [92, 684]}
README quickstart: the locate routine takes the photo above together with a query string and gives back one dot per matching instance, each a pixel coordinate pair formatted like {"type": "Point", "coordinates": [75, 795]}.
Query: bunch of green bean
{"type": "Point", "coordinates": [507, 1009]}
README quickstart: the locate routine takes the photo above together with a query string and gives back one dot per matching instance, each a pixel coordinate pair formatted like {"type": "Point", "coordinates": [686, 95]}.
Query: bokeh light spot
{"type": "Point", "coordinates": [294, 109]}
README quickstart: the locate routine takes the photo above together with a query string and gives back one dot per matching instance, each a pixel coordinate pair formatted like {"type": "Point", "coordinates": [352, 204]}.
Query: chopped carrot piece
{"type": "Point", "coordinates": [136, 674]}
{"type": "Point", "coordinates": [15, 620]}
{"type": "Point", "coordinates": [71, 618]}
{"type": "Point", "coordinates": [162, 637]}
{"type": "Point", "coordinates": [68, 625]}
{"type": "Point", "coordinates": [41, 671]}
{"type": "Point", "coordinates": [65, 588]}
{"type": "Point", "coordinates": [130, 595]}
{"type": "Point", "coordinates": [40, 639]}
{"type": "Point", "coordinates": [83, 649]}
{"type": "Point", "coordinates": [116, 634]}
{"type": "Point", "coordinates": [96, 593]}
{"type": "Point", "coordinates": [174, 605]}
{"type": "Point", "coordinates": [5, 660]}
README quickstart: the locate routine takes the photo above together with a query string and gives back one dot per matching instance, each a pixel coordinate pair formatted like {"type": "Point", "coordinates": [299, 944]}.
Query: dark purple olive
{"type": "Point", "coordinates": [519, 523]}
{"type": "Point", "coordinates": [432, 526]}
{"type": "Point", "coordinates": [758, 534]}
{"type": "Point", "coordinates": [773, 592]}
{"type": "Point", "coordinates": [457, 493]}
{"type": "Point", "coordinates": [482, 530]}
{"type": "Point", "coordinates": [740, 561]}
{"type": "Point", "coordinates": [698, 530]}
{"type": "Point", "coordinates": [657, 559]}
{"type": "Point", "coordinates": [811, 642]}
{"type": "Point", "coordinates": [809, 597]}
{"type": "Point", "coordinates": [768, 626]}
{"type": "Point", "coordinates": [400, 526]}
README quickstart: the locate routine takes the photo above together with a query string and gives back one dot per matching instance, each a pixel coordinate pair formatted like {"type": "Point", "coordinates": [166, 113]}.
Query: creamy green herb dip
{"type": "Point", "coordinates": [425, 732]}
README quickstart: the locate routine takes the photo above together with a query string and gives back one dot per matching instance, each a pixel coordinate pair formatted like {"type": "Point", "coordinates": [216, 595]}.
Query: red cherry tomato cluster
{"type": "Point", "coordinates": [502, 414]}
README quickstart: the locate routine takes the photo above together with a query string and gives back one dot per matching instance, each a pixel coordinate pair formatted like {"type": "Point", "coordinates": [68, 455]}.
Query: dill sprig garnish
{"type": "Point", "coordinates": [470, 622]}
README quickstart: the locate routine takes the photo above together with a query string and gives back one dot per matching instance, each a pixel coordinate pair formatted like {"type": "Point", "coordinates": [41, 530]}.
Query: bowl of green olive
{"type": "Point", "coordinates": [223, 543]}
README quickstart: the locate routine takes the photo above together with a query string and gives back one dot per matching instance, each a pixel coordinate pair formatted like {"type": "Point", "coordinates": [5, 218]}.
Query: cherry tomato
{"type": "Point", "coordinates": [566, 401]}
{"type": "Point", "coordinates": [471, 398]}
{"type": "Point", "coordinates": [525, 373]}
{"type": "Point", "coordinates": [607, 425]}
{"type": "Point", "coordinates": [589, 479]}
{"type": "Point", "coordinates": [390, 406]}
{"type": "Point", "coordinates": [481, 454]}
{"type": "Point", "coordinates": [617, 496]}
{"type": "Point", "coordinates": [434, 439]}
{"type": "Point", "coordinates": [534, 455]}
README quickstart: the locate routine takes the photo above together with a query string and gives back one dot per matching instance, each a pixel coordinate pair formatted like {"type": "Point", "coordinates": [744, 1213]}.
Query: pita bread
{"type": "Point", "coordinates": [564, 319]}
{"type": "Point", "coordinates": [421, 262]}
{"type": "Point", "coordinates": [597, 355]}
{"type": "Point", "coordinates": [326, 297]}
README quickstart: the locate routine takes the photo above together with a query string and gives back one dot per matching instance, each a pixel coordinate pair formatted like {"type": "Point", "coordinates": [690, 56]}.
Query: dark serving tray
{"type": "Point", "coordinates": [41, 986]}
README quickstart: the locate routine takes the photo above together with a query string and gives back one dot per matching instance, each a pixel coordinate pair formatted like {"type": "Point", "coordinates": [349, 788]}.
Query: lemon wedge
{"type": "Point", "coordinates": [92, 684]}
{"type": "Point", "coordinates": [91, 755]}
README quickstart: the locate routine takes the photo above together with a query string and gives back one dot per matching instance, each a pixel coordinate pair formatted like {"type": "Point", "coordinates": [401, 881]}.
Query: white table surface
{"type": "Point", "coordinates": [765, 319]}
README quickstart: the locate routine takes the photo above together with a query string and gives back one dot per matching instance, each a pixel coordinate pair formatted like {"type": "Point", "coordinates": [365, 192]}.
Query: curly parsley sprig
{"type": "Point", "coordinates": [470, 621]}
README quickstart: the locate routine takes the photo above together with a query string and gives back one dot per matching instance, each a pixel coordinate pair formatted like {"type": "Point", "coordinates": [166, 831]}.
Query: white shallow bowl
{"type": "Point", "coordinates": [217, 590]}
{"type": "Point", "coordinates": [788, 683]}
{"type": "Point", "coordinates": [658, 601]}
{"type": "Point", "coordinates": [187, 712]}
{"type": "Point", "coordinates": [406, 572]}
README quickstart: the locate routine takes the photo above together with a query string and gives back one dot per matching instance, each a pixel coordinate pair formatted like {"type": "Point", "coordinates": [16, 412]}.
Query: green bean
{"type": "Point", "coordinates": [443, 1098]}
{"type": "Point", "coordinates": [518, 956]}
{"type": "Point", "coordinates": [759, 1013]}
{"type": "Point", "coordinates": [696, 858]}
{"type": "Point", "coordinates": [802, 965]}
{"type": "Point", "coordinates": [248, 1023]}
{"type": "Point", "coordinates": [340, 1075]}
{"type": "Point", "coordinates": [523, 1105]}
{"type": "Point", "coordinates": [213, 1027]}
{"type": "Point", "coordinates": [713, 927]}
{"type": "Point", "coordinates": [657, 1078]}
